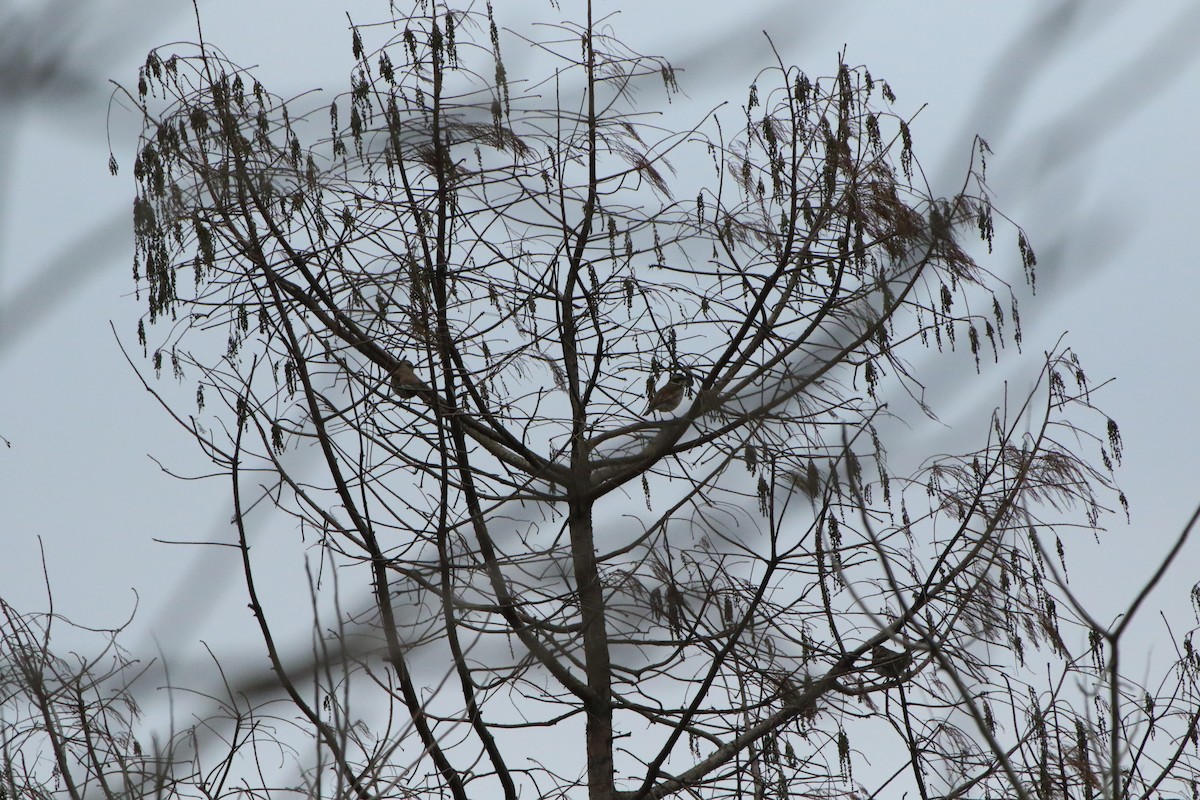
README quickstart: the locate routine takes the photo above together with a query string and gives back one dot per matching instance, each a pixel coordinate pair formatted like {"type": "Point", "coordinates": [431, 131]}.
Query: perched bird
{"type": "Point", "coordinates": [668, 395]}
{"type": "Point", "coordinates": [405, 382]}
{"type": "Point", "coordinates": [890, 664]}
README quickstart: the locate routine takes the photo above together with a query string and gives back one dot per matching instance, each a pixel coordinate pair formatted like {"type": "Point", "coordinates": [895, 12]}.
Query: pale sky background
{"type": "Point", "coordinates": [1089, 106]}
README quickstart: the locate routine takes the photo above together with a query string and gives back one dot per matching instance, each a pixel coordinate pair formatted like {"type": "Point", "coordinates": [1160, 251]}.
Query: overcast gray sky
{"type": "Point", "coordinates": [1089, 108]}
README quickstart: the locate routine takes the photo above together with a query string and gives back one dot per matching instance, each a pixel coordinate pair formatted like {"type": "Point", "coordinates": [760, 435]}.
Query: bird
{"type": "Point", "coordinates": [405, 382]}
{"type": "Point", "coordinates": [668, 395]}
{"type": "Point", "coordinates": [890, 664]}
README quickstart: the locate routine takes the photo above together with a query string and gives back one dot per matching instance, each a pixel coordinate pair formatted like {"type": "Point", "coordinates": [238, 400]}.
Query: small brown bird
{"type": "Point", "coordinates": [890, 664]}
{"type": "Point", "coordinates": [668, 395]}
{"type": "Point", "coordinates": [405, 382]}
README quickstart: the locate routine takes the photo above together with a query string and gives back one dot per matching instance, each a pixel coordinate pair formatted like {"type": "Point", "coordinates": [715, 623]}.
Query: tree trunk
{"type": "Point", "coordinates": [598, 704]}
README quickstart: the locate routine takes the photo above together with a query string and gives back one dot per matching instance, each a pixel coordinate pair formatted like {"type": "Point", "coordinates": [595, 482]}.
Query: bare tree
{"type": "Point", "coordinates": [601, 442]}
